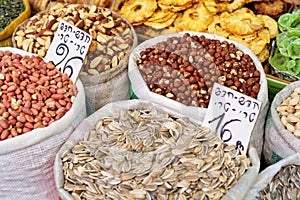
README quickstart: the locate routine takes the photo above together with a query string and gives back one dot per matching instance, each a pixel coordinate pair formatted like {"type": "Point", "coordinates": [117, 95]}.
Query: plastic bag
{"type": "Point", "coordinates": [142, 91]}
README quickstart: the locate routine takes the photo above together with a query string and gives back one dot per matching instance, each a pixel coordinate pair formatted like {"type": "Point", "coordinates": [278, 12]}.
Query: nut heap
{"type": "Point", "coordinates": [285, 185]}
{"type": "Point", "coordinates": [112, 35]}
{"type": "Point", "coordinates": [289, 112]}
{"type": "Point", "coordinates": [185, 68]}
{"type": "Point", "coordinates": [33, 94]}
{"type": "Point", "coordinates": [146, 154]}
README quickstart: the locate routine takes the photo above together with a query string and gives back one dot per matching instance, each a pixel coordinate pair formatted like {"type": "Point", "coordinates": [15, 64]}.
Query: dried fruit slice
{"type": "Point", "coordinates": [138, 11]}
{"type": "Point", "coordinates": [241, 22]}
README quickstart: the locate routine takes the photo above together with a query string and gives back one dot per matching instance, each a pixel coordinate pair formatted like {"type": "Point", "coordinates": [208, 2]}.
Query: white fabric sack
{"type": "Point", "coordinates": [279, 141]}
{"type": "Point", "coordinates": [264, 177]}
{"type": "Point", "coordinates": [26, 161]}
{"type": "Point", "coordinates": [109, 86]}
{"type": "Point", "coordinates": [142, 91]}
{"type": "Point", "coordinates": [275, 147]}
{"type": "Point", "coordinates": [237, 192]}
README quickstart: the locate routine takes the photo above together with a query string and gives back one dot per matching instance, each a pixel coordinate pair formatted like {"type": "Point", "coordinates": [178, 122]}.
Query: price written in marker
{"type": "Point", "coordinates": [68, 49]}
{"type": "Point", "coordinates": [232, 115]}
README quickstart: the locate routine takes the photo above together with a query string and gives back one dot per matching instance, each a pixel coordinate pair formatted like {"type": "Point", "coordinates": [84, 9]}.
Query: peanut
{"type": "Point", "coordinates": [23, 107]}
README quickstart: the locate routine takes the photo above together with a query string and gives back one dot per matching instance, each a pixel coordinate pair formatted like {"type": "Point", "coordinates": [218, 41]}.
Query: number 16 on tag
{"type": "Point", "coordinates": [232, 115]}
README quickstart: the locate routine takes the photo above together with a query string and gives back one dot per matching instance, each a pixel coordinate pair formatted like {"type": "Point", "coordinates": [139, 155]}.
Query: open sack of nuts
{"type": "Point", "coordinates": [282, 134]}
{"type": "Point", "coordinates": [104, 73]}
{"type": "Point", "coordinates": [179, 70]}
{"type": "Point", "coordinates": [278, 181]}
{"type": "Point", "coordinates": [140, 150]}
{"type": "Point", "coordinates": [39, 109]}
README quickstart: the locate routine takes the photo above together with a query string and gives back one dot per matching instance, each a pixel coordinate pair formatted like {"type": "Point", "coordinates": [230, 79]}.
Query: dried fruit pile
{"type": "Point", "coordinates": [147, 154]}
{"type": "Point", "coordinates": [224, 18]}
{"type": "Point", "coordinates": [287, 52]}
{"type": "Point", "coordinates": [185, 68]}
{"type": "Point", "coordinates": [34, 94]}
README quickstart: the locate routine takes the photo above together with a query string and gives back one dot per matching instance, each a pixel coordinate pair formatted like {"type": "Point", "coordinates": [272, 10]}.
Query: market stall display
{"type": "Point", "coordinates": [230, 20]}
{"type": "Point", "coordinates": [140, 150]}
{"type": "Point", "coordinates": [281, 134]}
{"type": "Point", "coordinates": [182, 80]}
{"type": "Point", "coordinates": [104, 72]}
{"type": "Point", "coordinates": [154, 147]}
{"type": "Point", "coordinates": [12, 13]}
{"type": "Point", "coordinates": [278, 181]}
{"type": "Point", "coordinates": [39, 110]}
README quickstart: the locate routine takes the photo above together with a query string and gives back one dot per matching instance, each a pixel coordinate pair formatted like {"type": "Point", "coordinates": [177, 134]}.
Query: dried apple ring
{"type": "Point", "coordinates": [215, 27]}
{"type": "Point", "coordinates": [263, 55]}
{"type": "Point", "coordinates": [161, 25]}
{"type": "Point", "coordinates": [175, 6]}
{"type": "Point", "coordinates": [241, 22]}
{"type": "Point", "coordinates": [137, 11]}
{"type": "Point", "coordinates": [270, 24]}
{"type": "Point", "coordinates": [161, 16]}
{"type": "Point", "coordinates": [238, 39]}
{"type": "Point", "coordinates": [196, 18]}
{"type": "Point", "coordinates": [257, 45]}
{"type": "Point", "coordinates": [264, 34]}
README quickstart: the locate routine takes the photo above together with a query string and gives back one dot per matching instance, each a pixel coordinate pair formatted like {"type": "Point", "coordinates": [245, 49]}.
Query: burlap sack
{"type": "Point", "coordinates": [279, 142]}
{"type": "Point", "coordinates": [112, 85]}
{"type": "Point", "coordinates": [109, 86]}
{"type": "Point", "coordinates": [26, 161]}
{"type": "Point", "coordinates": [238, 191]}
{"type": "Point", "coordinates": [142, 91]}
{"type": "Point", "coordinates": [267, 174]}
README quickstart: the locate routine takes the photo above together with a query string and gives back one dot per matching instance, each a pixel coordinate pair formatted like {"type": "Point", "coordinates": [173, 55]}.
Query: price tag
{"type": "Point", "coordinates": [68, 49]}
{"type": "Point", "coordinates": [232, 115]}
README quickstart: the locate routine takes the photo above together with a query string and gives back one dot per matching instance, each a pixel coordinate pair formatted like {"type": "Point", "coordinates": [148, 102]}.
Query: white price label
{"type": "Point", "coordinates": [232, 115]}
{"type": "Point", "coordinates": [68, 49]}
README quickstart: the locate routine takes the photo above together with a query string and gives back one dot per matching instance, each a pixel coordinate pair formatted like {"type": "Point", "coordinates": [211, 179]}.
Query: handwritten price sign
{"type": "Point", "coordinates": [232, 115]}
{"type": "Point", "coordinates": [68, 49]}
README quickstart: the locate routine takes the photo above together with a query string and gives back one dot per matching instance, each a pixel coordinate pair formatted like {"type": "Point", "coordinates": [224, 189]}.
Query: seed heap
{"type": "Point", "coordinates": [285, 185]}
{"type": "Point", "coordinates": [10, 10]}
{"type": "Point", "coordinates": [143, 154]}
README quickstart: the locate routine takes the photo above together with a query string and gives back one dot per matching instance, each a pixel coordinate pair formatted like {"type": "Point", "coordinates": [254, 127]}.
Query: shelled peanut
{"type": "Point", "coordinates": [185, 68]}
{"type": "Point", "coordinates": [112, 35]}
{"type": "Point", "coordinates": [289, 112]}
{"type": "Point", "coordinates": [34, 94]}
